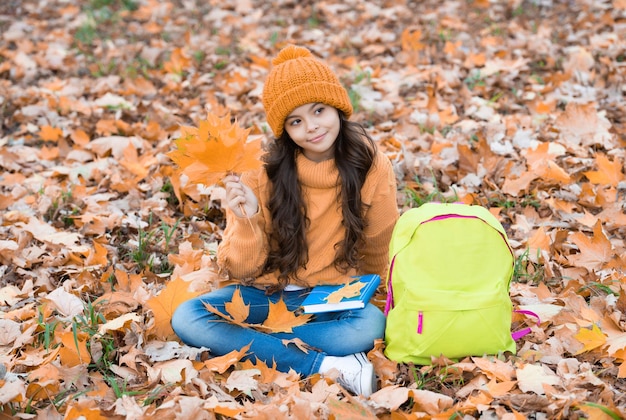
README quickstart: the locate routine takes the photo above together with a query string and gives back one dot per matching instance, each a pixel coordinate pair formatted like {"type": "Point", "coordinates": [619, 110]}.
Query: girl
{"type": "Point", "coordinates": [321, 209]}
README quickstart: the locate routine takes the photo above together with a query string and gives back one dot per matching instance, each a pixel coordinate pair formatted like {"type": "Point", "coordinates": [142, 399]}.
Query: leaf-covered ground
{"type": "Point", "coordinates": [516, 105]}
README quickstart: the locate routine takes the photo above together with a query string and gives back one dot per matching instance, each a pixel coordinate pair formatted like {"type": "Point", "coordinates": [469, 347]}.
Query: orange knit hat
{"type": "Point", "coordinates": [297, 78]}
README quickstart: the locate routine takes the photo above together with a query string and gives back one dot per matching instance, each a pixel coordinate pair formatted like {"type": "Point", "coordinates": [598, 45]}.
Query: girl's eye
{"type": "Point", "coordinates": [319, 110]}
{"type": "Point", "coordinates": [294, 122]}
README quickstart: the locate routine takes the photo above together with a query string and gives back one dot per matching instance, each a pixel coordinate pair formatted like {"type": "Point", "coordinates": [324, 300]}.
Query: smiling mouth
{"type": "Point", "coordinates": [318, 138]}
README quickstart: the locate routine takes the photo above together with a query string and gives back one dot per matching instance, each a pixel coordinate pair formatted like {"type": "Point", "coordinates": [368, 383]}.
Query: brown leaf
{"type": "Point", "coordinates": [304, 347]}
{"type": "Point", "coordinates": [595, 252]}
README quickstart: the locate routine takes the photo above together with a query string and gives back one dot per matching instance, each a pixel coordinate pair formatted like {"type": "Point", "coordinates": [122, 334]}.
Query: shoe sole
{"type": "Point", "coordinates": [368, 378]}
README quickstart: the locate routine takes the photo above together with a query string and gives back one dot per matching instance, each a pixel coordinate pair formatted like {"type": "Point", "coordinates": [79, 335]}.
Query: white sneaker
{"type": "Point", "coordinates": [356, 373]}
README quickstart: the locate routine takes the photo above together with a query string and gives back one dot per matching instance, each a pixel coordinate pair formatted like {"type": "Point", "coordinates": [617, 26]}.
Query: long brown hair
{"type": "Point", "coordinates": [354, 156]}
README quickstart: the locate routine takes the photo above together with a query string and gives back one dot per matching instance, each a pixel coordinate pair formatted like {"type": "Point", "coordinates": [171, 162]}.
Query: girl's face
{"type": "Point", "coordinates": [314, 127]}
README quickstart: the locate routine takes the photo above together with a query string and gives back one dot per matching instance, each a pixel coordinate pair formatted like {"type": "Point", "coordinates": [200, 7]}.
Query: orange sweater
{"type": "Point", "coordinates": [244, 247]}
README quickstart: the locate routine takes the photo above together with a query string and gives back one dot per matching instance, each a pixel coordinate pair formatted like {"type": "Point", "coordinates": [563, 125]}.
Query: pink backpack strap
{"type": "Point", "coordinates": [519, 334]}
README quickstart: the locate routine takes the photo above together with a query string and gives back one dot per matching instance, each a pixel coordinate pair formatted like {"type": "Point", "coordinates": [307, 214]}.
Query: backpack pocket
{"type": "Point", "coordinates": [478, 324]}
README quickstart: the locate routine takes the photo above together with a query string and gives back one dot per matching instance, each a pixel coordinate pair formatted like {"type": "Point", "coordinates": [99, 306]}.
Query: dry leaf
{"type": "Point", "coordinates": [281, 319]}
{"type": "Point", "coordinates": [348, 291]}
{"type": "Point", "coordinates": [214, 149]}
{"type": "Point", "coordinates": [591, 338]}
{"type": "Point", "coordinates": [304, 347]}
{"type": "Point", "coordinates": [237, 309]}
{"type": "Point", "coordinates": [164, 305]}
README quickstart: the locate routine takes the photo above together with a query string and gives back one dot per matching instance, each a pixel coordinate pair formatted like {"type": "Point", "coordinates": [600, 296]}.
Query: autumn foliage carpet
{"type": "Point", "coordinates": [515, 105]}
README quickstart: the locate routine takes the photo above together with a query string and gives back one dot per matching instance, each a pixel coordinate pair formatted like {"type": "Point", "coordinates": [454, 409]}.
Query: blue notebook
{"type": "Point", "coordinates": [362, 287]}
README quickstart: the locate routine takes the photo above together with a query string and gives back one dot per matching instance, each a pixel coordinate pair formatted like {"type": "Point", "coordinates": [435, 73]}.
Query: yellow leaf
{"type": "Point", "coordinates": [164, 305]}
{"type": "Point", "coordinates": [590, 338]}
{"type": "Point", "coordinates": [346, 292]}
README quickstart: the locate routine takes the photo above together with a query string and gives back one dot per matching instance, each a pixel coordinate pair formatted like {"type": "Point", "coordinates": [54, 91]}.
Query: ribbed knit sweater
{"type": "Point", "coordinates": [245, 243]}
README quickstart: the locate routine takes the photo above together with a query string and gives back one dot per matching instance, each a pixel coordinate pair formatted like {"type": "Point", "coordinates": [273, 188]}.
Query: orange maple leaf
{"type": "Point", "coordinates": [165, 303]}
{"type": "Point", "coordinates": [177, 63]}
{"type": "Point", "coordinates": [281, 319]}
{"type": "Point", "coordinates": [214, 149]}
{"type": "Point", "coordinates": [411, 40]}
{"type": "Point", "coordinates": [48, 133]}
{"type": "Point", "coordinates": [221, 364]}
{"type": "Point", "coordinates": [541, 163]}
{"type": "Point", "coordinates": [237, 308]}
{"type": "Point", "coordinates": [346, 292]}
{"type": "Point", "coordinates": [608, 173]}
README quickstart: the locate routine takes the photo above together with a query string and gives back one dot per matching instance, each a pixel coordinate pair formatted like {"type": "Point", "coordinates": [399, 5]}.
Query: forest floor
{"type": "Point", "coordinates": [515, 105]}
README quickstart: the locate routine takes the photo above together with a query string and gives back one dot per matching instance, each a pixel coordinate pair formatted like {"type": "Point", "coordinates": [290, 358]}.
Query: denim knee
{"type": "Point", "coordinates": [182, 316]}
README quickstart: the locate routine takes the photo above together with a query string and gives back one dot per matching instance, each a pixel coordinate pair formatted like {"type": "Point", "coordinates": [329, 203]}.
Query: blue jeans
{"type": "Point", "coordinates": [331, 333]}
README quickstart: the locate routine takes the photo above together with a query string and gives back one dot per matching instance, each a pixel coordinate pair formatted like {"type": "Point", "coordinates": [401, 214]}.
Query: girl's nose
{"type": "Point", "coordinates": [311, 126]}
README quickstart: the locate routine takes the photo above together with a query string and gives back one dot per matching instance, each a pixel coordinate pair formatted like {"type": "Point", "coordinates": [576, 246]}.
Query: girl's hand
{"type": "Point", "coordinates": [239, 197]}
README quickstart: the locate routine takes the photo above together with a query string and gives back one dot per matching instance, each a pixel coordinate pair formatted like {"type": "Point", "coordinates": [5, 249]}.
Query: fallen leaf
{"type": "Point", "coordinates": [74, 348]}
{"type": "Point", "coordinates": [221, 364]}
{"type": "Point", "coordinates": [431, 402]}
{"type": "Point", "coordinates": [304, 347]}
{"type": "Point", "coordinates": [531, 378]}
{"type": "Point", "coordinates": [608, 173]}
{"type": "Point", "coordinates": [591, 338]}
{"type": "Point", "coordinates": [48, 133]}
{"type": "Point", "coordinates": [9, 332]}
{"type": "Point", "coordinates": [165, 303]}
{"type": "Point", "coordinates": [243, 380]}
{"type": "Point", "coordinates": [281, 319]}
{"type": "Point", "coordinates": [236, 308]}
{"type": "Point", "coordinates": [346, 409]}
{"type": "Point", "coordinates": [595, 252]}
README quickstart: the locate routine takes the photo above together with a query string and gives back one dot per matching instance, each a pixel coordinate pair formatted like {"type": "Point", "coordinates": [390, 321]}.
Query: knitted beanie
{"type": "Point", "coordinates": [296, 79]}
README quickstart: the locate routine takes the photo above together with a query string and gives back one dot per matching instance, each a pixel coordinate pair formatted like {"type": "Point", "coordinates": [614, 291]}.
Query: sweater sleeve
{"type": "Point", "coordinates": [244, 247]}
{"type": "Point", "coordinates": [379, 194]}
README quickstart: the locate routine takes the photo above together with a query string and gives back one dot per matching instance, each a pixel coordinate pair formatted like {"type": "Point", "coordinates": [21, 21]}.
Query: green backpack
{"type": "Point", "coordinates": [448, 285]}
